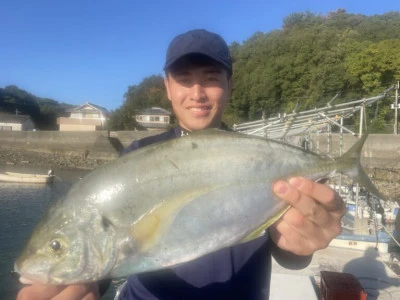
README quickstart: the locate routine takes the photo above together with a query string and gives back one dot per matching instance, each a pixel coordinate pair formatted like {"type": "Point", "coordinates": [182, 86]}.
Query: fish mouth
{"type": "Point", "coordinates": [27, 276]}
{"type": "Point", "coordinates": [17, 269]}
{"type": "Point", "coordinates": [25, 280]}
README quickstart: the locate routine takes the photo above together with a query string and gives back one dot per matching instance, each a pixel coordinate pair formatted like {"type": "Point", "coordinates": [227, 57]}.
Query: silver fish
{"type": "Point", "coordinates": [170, 203]}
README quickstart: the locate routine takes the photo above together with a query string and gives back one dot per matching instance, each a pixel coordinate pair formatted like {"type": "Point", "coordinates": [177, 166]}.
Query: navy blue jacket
{"type": "Point", "coordinates": [239, 272]}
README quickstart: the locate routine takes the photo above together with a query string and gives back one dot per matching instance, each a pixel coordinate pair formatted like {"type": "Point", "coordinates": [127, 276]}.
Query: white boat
{"type": "Point", "coordinates": [362, 242]}
{"type": "Point", "coordinates": [27, 178]}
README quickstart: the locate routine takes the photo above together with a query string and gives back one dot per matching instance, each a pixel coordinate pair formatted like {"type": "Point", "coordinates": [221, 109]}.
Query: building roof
{"type": "Point", "coordinates": [154, 111]}
{"type": "Point", "coordinates": [16, 119]}
{"type": "Point", "coordinates": [92, 106]}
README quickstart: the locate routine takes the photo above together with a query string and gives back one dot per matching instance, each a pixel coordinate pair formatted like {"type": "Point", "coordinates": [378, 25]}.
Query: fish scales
{"type": "Point", "coordinates": [166, 204]}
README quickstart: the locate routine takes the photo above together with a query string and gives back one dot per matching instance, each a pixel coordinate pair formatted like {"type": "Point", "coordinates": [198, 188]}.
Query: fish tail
{"type": "Point", "coordinates": [357, 173]}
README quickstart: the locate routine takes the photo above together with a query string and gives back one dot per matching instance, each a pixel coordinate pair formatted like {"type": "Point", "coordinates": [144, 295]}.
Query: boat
{"type": "Point", "coordinates": [27, 178]}
{"type": "Point", "coordinates": [363, 242]}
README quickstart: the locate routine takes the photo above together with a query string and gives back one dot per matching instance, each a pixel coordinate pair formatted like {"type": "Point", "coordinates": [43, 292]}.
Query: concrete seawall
{"type": "Point", "coordinates": [380, 150]}
{"type": "Point", "coordinates": [98, 144]}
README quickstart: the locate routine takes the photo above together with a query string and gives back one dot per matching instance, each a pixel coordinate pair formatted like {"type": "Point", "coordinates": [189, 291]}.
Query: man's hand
{"type": "Point", "coordinates": [88, 291]}
{"type": "Point", "coordinates": [312, 221]}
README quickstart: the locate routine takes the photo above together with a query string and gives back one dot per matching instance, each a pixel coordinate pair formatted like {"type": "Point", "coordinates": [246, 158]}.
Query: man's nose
{"type": "Point", "coordinates": [197, 92]}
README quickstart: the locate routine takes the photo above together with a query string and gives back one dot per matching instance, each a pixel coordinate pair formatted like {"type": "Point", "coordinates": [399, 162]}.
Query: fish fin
{"type": "Point", "coordinates": [144, 230]}
{"type": "Point", "coordinates": [366, 182]}
{"type": "Point", "coordinates": [355, 151]}
{"type": "Point", "coordinates": [353, 156]}
{"type": "Point", "coordinates": [259, 231]}
{"type": "Point", "coordinates": [151, 226]}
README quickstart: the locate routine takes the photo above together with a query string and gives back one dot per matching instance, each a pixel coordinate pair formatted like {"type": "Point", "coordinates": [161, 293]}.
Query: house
{"type": "Point", "coordinates": [87, 117]}
{"type": "Point", "coordinates": [10, 122]}
{"type": "Point", "coordinates": [153, 118]}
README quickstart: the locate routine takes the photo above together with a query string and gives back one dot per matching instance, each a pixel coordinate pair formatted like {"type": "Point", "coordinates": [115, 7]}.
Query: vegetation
{"type": "Point", "coordinates": [305, 64]}
{"type": "Point", "coordinates": [312, 58]}
{"type": "Point", "coordinates": [44, 112]}
{"type": "Point", "coordinates": [150, 92]}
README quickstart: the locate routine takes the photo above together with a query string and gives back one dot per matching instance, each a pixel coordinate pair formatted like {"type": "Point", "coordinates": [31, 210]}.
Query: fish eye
{"type": "Point", "coordinates": [55, 246]}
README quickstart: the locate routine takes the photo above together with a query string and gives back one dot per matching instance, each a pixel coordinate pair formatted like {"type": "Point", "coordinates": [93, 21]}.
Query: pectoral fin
{"type": "Point", "coordinates": [154, 224]}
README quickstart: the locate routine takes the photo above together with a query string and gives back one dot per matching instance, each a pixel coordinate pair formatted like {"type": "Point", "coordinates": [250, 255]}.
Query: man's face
{"type": "Point", "coordinates": [198, 94]}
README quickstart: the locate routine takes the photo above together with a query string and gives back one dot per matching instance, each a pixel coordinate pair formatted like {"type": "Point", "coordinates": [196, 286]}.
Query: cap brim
{"type": "Point", "coordinates": [175, 59]}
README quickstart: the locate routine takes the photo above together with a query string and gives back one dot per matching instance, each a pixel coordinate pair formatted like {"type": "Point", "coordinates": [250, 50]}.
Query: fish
{"type": "Point", "coordinates": [170, 203]}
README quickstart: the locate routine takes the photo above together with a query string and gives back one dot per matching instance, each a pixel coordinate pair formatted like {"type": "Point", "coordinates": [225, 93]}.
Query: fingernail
{"type": "Point", "coordinates": [296, 182]}
{"type": "Point", "coordinates": [280, 188]}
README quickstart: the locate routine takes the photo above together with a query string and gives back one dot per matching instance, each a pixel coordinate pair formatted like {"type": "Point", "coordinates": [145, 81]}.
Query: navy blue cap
{"type": "Point", "coordinates": [199, 41]}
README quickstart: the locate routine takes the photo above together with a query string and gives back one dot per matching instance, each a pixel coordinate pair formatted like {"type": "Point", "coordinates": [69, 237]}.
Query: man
{"type": "Point", "coordinates": [198, 81]}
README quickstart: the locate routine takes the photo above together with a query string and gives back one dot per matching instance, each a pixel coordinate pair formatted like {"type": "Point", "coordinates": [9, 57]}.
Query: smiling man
{"type": "Point", "coordinates": [199, 89]}
{"type": "Point", "coordinates": [198, 81]}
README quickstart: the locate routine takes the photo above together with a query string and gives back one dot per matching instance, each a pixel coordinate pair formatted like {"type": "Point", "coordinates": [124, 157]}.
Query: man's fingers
{"type": "Point", "coordinates": [320, 192]}
{"type": "Point", "coordinates": [305, 204]}
{"type": "Point", "coordinates": [88, 291]}
{"type": "Point", "coordinates": [298, 191]}
{"type": "Point", "coordinates": [301, 242]}
{"type": "Point", "coordinates": [39, 292]}
{"type": "Point", "coordinates": [312, 221]}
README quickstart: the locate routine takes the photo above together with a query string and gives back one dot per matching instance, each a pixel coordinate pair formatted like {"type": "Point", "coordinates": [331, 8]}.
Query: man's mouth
{"type": "Point", "coordinates": [199, 109]}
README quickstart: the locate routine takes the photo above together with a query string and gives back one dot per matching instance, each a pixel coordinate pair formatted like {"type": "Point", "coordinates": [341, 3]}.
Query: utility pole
{"type": "Point", "coordinates": [340, 152]}
{"type": "Point", "coordinates": [396, 104]}
{"type": "Point", "coordinates": [360, 133]}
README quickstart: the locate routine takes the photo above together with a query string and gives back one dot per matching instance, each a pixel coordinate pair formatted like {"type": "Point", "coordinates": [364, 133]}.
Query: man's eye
{"type": "Point", "coordinates": [213, 78]}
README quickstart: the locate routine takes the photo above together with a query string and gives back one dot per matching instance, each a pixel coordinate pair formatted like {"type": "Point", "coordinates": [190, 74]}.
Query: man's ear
{"type": "Point", "coordinates": [166, 83]}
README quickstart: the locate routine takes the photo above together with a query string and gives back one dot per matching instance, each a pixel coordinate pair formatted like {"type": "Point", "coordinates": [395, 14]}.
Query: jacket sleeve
{"type": "Point", "coordinates": [170, 134]}
{"type": "Point", "coordinates": [288, 259]}
{"type": "Point", "coordinates": [133, 146]}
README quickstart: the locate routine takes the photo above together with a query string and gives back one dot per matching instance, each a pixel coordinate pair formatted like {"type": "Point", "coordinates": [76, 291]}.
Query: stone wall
{"type": "Point", "coordinates": [380, 150]}
{"type": "Point", "coordinates": [97, 144]}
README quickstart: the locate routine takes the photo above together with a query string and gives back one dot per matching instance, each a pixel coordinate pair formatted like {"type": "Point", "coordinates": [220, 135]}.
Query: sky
{"type": "Point", "coordinates": [79, 51]}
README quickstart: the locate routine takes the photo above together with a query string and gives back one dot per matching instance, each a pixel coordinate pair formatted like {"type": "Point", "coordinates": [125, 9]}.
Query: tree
{"type": "Point", "coordinates": [376, 65]}
{"type": "Point", "coordinates": [43, 111]}
{"type": "Point", "coordinates": [149, 93]}
{"type": "Point", "coordinates": [307, 62]}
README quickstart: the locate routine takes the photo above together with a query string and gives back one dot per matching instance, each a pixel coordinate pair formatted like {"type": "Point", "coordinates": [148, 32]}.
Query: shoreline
{"type": "Point", "coordinates": [20, 157]}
